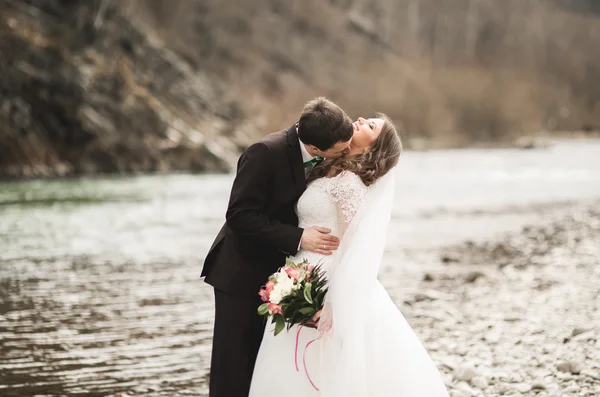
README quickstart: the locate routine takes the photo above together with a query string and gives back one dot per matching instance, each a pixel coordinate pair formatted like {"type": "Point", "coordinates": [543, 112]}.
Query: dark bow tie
{"type": "Point", "coordinates": [314, 162]}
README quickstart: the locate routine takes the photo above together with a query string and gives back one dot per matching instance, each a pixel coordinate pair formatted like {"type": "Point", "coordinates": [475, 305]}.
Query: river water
{"type": "Point", "coordinates": [99, 277]}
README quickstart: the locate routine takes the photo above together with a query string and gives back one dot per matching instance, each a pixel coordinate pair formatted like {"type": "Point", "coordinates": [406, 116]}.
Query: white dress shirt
{"type": "Point", "coordinates": [305, 155]}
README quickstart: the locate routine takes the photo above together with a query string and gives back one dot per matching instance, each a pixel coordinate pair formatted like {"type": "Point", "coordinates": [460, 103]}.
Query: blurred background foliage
{"type": "Point", "coordinates": [92, 86]}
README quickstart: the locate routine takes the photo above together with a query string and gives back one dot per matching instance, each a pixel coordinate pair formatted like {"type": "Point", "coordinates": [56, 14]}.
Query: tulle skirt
{"type": "Point", "coordinates": [386, 360]}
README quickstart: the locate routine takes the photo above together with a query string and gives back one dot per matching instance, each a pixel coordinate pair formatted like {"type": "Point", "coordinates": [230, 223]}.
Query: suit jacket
{"type": "Point", "coordinates": [261, 226]}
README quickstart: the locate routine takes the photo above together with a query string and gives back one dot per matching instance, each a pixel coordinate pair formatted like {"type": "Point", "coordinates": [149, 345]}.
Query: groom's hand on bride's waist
{"type": "Point", "coordinates": [318, 240]}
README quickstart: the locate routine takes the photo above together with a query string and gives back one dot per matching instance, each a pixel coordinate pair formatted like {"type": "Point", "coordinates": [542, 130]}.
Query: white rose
{"type": "Point", "coordinates": [282, 288]}
{"type": "Point", "coordinates": [281, 277]}
{"type": "Point", "coordinates": [276, 295]}
{"type": "Point", "coordinates": [289, 286]}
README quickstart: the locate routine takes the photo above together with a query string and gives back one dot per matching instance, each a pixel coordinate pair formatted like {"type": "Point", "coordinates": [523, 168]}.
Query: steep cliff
{"type": "Point", "coordinates": [84, 89]}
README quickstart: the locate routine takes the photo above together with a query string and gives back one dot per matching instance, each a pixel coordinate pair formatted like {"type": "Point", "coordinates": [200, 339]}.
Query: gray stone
{"type": "Point", "coordinates": [465, 373]}
{"type": "Point", "coordinates": [588, 335]}
{"type": "Point", "coordinates": [522, 387]}
{"type": "Point", "coordinates": [480, 382]}
{"type": "Point", "coordinates": [578, 331]}
{"type": "Point", "coordinates": [571, 389]}
{"type": "Point", "coordinates": [466, 389]}
{"type": "Point", "coordinates": [591, 374]}
{"type": "Point", "coordinates": [572, 367]}
{"type": "Point", "coordinates": [428, 277]}
{"type": "Point", "coordinates": [538, 386]}
{"type": "Point", "coordinates": [473, 276]}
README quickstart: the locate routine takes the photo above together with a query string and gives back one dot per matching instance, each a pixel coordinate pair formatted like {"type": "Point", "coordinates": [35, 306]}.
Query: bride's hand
{"type": "Point", "coordinates": [318, 240]}
{"type": "Point", "coordinates": [323, 320]}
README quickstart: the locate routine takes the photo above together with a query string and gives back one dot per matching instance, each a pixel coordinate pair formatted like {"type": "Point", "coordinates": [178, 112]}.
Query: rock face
{"type": "Point", "coordinates": [86, 90]}
{"type": "Point", "coordinates": [123, 86]}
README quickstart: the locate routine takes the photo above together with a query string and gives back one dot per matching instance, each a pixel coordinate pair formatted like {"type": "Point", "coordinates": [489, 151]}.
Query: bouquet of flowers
{"type": "Point", "coordinates": [293, 295]}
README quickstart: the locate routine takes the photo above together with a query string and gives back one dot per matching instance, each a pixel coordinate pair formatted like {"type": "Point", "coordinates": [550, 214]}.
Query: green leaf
{"type": "Point", "coordinates": [279, 324]}
{"type": "Point", "coordinates": [308, 311]}
{"type": "Point", "coordinates": [307, 290]}
{"type": "Point", "coordinates": [293, 319]}
{"type": "Point", "coordinates": [263, 309]}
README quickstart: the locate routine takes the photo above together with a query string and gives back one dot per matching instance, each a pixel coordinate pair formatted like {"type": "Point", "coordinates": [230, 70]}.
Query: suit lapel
{"type": "Point", "coordinates": [296, 160]}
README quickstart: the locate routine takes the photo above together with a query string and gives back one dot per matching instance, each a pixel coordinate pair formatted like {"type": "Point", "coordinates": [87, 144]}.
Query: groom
{"type": "Point", "coordinates": [261, 229]}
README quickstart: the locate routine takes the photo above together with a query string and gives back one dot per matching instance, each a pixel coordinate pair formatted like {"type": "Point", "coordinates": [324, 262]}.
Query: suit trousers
{"type": "Point", "coordinates": [238, 333]}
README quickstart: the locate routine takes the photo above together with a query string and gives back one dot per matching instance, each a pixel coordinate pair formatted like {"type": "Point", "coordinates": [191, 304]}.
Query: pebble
{"type": "Point", "coordinates": [465, 389]}
{"type": "Point", "coordinates": [450, 258]}
{"type": "Point", "coordinates": [522, 387]}
{"type": "Point", "coordinates": [493, 337]}
{"type": "Point", "coordinates": [428, 277]}
{"type": "Point", "coordinates": [572, 367]}
{"type": "Point", "coordinates": [591, 374]}
{"type": "Point", "coordinates": [579, 331]}
{"type": "Point", "coordinates": [480, 382]}
{"type": "Point", "coordinates": [465, 373]}
{"type": "Point", "coordinates": [473, 276]}
{"type": "Point", "coordinates": [538, 386]}
{"type": "Point", "coordinates": [571, 389]}
{"type": "Point", "coordinates": [589, 335]}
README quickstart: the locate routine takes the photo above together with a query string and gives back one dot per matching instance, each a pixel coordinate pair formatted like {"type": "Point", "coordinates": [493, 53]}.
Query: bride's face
{"type": "Point", "coordinates": [365, 133]}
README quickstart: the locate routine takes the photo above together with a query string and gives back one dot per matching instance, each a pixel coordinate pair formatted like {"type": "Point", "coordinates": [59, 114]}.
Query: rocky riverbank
{"type": "Point", "coordinates": [520, 316]}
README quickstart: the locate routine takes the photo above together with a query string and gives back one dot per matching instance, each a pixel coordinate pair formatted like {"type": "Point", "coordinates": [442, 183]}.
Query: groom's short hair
{"type": "Point", "coordinates": [323, 124]}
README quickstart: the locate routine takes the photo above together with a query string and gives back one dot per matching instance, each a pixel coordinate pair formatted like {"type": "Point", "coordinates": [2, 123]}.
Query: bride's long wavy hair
{"type": "Point", "coordinates": [374, 163]}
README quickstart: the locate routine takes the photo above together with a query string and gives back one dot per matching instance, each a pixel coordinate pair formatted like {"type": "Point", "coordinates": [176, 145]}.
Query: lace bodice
{"type": "Point", "coordinates": [330, 203]}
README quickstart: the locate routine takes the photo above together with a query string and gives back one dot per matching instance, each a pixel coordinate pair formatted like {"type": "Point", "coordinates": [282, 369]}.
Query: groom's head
{"type": "Point", "coordinates": [325, 128]}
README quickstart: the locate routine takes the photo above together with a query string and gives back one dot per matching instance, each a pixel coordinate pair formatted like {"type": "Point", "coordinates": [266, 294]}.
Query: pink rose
{"type": "Point", "coordinates": [270, 285]}
{"type": "Point", "coordinates": [294, 273]}
{"type": "Point", "coordinates": [275, 309]}
{"type": "Point", "coordinates": [264, 295]}
{"type": "Point", "coordinates": [309, 269]}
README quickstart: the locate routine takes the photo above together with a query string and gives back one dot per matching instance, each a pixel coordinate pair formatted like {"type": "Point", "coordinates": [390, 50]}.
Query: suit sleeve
{"type": "Point", "coordinates": [245, 213]}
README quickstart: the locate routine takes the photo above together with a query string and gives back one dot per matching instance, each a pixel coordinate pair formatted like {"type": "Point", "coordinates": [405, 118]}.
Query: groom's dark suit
{"type": "Point", "coordinates": [261, 229]}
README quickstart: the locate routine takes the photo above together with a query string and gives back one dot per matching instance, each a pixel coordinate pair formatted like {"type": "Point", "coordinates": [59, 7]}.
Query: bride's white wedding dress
{"type": "Point", "coordinates": [370, 350]}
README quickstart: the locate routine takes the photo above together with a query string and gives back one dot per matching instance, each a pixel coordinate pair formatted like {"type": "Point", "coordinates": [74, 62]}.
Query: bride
{"type": "Point", "coordinates": [363, 346]}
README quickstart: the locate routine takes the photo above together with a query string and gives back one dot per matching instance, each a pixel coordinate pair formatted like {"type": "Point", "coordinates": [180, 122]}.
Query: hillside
{"type": "Point", "coordinates": [125, 86]}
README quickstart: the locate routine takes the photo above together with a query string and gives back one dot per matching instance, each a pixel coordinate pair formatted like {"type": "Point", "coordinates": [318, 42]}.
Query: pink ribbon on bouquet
{"type": "Point", "coordinates": [304, 354]}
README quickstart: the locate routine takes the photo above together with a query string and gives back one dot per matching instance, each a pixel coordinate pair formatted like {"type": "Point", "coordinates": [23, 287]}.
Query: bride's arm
{"type": "Point", "coordinates": [348, 192]}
